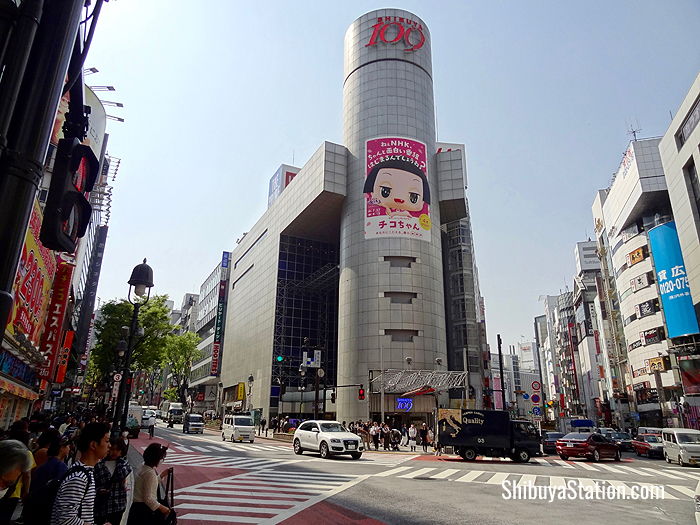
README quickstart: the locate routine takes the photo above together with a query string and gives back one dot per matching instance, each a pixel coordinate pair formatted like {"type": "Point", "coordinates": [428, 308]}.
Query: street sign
{"type": "Point", "coordinates": [311, 362]}
{"type": "Point", "coordinates": [526, 396]}
{"type": "Point", "coordinates": [537, 418]}
{"type": "Point", "coordinates": [537, 411]}
{"type": "Point", "coordinates": [536, 385]}
{"type": "Point", "coordinates": [535, 398]}
{"type": "Point", "coordinates": [117, 377]}
{"type": "Point", "coordinates": [115, 390]}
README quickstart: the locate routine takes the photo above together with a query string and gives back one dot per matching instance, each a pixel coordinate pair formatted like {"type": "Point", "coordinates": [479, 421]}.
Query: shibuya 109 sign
{"type": "Point", "coordinates": [395, 29]}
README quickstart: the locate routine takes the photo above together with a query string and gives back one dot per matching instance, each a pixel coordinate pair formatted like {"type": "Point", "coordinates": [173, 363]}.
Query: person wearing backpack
{"type": "Point", "coordinates": [45, 481]}
{"type": "Point", "coordinates": [74, 503]}
{"type": "Point", "coordinates": [111, 475]}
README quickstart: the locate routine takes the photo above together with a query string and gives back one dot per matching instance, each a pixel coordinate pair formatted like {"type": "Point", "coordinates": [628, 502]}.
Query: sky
{"type": "Point", "coordinates": [218, 94]}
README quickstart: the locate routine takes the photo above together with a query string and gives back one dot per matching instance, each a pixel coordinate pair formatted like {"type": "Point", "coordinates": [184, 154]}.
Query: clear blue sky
{"type": "Point", "coordinates": [217, 94]}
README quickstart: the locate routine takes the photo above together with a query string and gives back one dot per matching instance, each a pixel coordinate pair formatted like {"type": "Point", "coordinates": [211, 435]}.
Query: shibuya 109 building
{"type": "Point", "coordinates": [363, 262]}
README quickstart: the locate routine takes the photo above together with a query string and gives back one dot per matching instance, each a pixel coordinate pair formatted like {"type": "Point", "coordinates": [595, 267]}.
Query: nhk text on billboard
{"type": "Point", "coordinates": [397, 193]}
{"type": "Point", "coordinates": [672, 281]}
{"type": "Point", "coordinates": [32, 288]}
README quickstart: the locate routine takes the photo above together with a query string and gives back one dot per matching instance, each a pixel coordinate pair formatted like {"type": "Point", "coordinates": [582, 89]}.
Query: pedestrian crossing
{"type": "Point", "coordinates": [672, 490]}
{"type": "Point", "coordinates": [227, 447]}
{"type": "Point", "coordinates": [263, 496]}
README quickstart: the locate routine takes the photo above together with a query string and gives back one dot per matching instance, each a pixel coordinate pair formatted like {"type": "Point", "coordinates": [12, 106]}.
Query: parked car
{"type": "Point", "coordinates": [593, 447]}
{"type": "Point", "coordinates": [327, 437]}
{"type": "Point", "coordinates": [549, 441]}
{"type": "Point", "coordinates": [649, 445]}
{"type": "Point", "coordinates": [649, 430]}
{"type": "Point", "coordinates": [621, 439]}
{"type": "Point", "coordinates": [604, 430]}
{"type": "Point", "coordinates": [238, 428]}
{"type": "Point", "coordinates": [193, 423]}
{"type": "Point", "coordinates": [681, 445]}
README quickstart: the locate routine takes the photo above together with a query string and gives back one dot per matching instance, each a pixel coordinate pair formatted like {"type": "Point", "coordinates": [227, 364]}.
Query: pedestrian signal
{"type": "Point", "coordinates": [332, 397]}
{"type": "Point", "coordinates": [361, 394]}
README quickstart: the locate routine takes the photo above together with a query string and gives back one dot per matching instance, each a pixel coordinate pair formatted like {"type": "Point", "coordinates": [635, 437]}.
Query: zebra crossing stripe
{"type": "Point", "coordinates": [201, 449]}
{"type": "Point", "coordinates": [660, 473]}
{"type": "Point", "coordinates": [497, 479]}
{"type": "Point", "coordinates": [683, 490]}
{"type": "Point", "coordinates": [563, 463]}
{"type": "Point", "coordinates": [417, 473]}
{"type": "Point", "coordinates": [218, 517]}
{"type": "Point", "coordinates": [219, 449]}
{"type": "Point", "coordinates": [585, 466]}
{"type": "Point", "coordinates": [184, 449]}
{"type": "Point", "coordinates": [392, 471]}
{"type": "Point", "coordinates": [634, 470]}
{"type": "Point", "coordinates": [445, 473]}
{"type": "Point", "coordinates": [612, 469]}
{"type": "Point", "coordinates": [471, 476]}
{"type": "Point", "coordinates": [527, 479]}
{"type": "Point", "coordinates": [542, 461]}
{"type": "Point", "coordinates": [557, 481]}
{"type": "Point", "coordinates": [690, 475]}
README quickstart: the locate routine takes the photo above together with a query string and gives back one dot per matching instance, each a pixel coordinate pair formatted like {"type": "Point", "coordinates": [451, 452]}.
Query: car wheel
{"type": "Point", "coordinates": [564, 457]}
{"type": "Point", "coordinates": [681, 462]}
{"type": "Point", "coordinates": [324, 450]}
{"type": "Point", "coordinates": [522, 456]}
{"type": "Point", "coordinates": [618, 456]}
{"type": "Point", "coordinates": [596, 456]}
{"type": "Point", "coordinates": [232, 440]}
{"type": "Point", "coordinates": [356, 455]}
{"type": "Point", "coordinates": [468, 454]}
{"type": "Point", "coordinates": [251, 441]}
{"type": "Point", "coordinates": [668, 460]}
{"type": "Point", "coordinates": [638, 453]}
{"type": "Point", "coordinates": [297, 448]}
{"type": "Point", "coordinates": [223, 437]}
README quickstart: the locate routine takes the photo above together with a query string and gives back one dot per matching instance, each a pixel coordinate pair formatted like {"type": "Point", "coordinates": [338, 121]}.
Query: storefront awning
{"type": "Point", "coordinates": [17, 390]}
{"type": "Point", "coordinates": [417, 382]}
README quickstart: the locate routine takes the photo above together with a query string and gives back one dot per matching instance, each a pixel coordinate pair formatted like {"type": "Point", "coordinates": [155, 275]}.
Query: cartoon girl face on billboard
{"type": "Point", "coordinates": [400, 187]}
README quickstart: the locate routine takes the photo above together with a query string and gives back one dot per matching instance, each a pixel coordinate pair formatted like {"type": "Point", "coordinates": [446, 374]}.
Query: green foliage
{"type": "Point", "coordinates": [148, 353]}
{"type": "Point", "coordinates": [170, 394]}
{"type": "Point", "coordinates": [180, 352]}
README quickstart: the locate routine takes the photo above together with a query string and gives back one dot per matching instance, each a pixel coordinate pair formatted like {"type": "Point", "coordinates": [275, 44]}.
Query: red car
{"type": "Point", "coordinates": [648, 445]}
{"type": "Point", "coordinates": [593, 447]}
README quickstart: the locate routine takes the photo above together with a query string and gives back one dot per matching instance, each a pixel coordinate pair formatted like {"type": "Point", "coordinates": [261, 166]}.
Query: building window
{"type": "Point", "coordinates": [401, 297]}
{"type": "Point", "coordinates": [691, 175]}
{"type": "Point", "coordinates": [690, 123]}
{"type": "Point", "coordinates": [401, 336]}
{"type": "Point", "coordinates": [398, 261]}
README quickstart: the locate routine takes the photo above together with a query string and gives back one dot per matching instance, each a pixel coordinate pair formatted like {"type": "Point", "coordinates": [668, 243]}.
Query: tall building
{"type": "Point", "coordinates": [633, 206]}
{"type": "Point", "coordinates": [680, 156]}
{"type": "Point", "coordinates": [346, 265]}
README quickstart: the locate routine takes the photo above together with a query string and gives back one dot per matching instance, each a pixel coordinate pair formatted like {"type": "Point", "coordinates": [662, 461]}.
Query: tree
{"type": "Point", "coordinates": [148, 351]}
{"type": "Point", "coordinates": [180, 352]}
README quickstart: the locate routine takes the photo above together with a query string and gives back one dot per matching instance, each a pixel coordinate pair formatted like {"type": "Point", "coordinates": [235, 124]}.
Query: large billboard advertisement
{"type": "Point", "coordinates": [672, 281]}
{"type": "Point", "coordinates": [397, 193]}
{"type": "Point", "coordinates": [51, 340]}
{"type": "Point", "coordinates": [32, 287]}
{"type": "Point", "coordinates": [220, 316]}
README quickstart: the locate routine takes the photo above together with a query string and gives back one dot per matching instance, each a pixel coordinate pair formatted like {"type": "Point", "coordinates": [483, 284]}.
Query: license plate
{"type": "Point", "coordinates": [570, 445]}
{"type": "Point", "coordinates": [352, 446]}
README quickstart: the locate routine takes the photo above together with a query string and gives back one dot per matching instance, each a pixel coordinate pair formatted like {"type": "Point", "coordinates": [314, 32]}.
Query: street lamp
{"type": "Point", "coordinates": [141, 281]}
{"type": "Point", "coordinates": [251, 379]}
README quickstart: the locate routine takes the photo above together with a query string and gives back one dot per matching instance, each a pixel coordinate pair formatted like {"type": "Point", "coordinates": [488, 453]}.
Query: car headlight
{"type": "Point", "coordinates": [335, 440]}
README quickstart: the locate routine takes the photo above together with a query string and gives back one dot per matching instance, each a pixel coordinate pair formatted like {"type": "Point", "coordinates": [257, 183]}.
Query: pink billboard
{"type": "Point", "coordinates": [397, 194]}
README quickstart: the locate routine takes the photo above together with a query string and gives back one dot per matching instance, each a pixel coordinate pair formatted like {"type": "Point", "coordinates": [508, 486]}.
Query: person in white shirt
{"type": "Point", "coordinates": [151, 426]}
{"type": "Point", "coordinates": [143, 510]}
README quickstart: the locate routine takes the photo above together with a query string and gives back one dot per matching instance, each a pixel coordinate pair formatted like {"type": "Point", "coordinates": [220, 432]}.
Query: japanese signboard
{"type": "Point", "coordinates": [32, 288]}
{"type": "Point", "coordinates": [657, 364]}
{"type": "Point", "coordinates": [639, 282]}
{"type": "Point", "coordinates": [397, 30]}
{"type": "Point", "coordinates": [649, 337]}
{"type": "Point", "coordinates": [645, 309]}
{"type": "Point", "coordinates": [220, 316]}
{"type": "Point", "coordinates": [240, 392]}
{"type": "Point", "coordinates": [397, 193]}
{"type": "Point", "coordinates": [672, 281]}
{"type": "Point", "coordinates": [635, 257]}
{"type": "Point", "coordinates": [63, 356]}
{"type": "Point", "coordinates": [690, 373]}
{"type": "Point", "coordinates": [51, 340]}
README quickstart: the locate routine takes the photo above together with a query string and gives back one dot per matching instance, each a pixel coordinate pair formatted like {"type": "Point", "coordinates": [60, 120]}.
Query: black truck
{"type": "Point", "coordinates": [491, 433]}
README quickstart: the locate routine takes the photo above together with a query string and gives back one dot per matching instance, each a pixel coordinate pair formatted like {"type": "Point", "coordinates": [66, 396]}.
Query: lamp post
{"type": "Point", "coordinates": [251, 380]}
{"type": "Point", "coordinates": [142, 281]}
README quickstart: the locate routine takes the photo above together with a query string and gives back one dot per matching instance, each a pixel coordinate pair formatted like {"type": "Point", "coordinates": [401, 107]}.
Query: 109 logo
{"type": "Point", "coordinates": [394, 32]}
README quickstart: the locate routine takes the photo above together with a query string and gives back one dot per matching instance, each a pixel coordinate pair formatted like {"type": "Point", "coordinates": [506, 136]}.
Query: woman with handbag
{"type": "Point", "coordinates": [146, 509]}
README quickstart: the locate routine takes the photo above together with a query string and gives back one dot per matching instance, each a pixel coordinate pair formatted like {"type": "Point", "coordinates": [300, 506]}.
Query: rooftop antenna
{"type": "Point", "coordinates": [632, 131]}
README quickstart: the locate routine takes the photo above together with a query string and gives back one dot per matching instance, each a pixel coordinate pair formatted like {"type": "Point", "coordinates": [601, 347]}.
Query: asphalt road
{"type": "Point", "coordinates": [265, 482]}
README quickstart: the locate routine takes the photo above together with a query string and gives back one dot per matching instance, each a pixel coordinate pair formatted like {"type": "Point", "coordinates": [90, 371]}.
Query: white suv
{"type": "Point", "coordinates": [328, 438]}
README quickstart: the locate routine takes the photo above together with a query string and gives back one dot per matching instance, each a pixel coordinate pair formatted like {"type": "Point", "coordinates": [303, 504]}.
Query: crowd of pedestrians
{"type": "Point", "coordinates": [68, 471]}
{"type": "Point", "coordinates": [375, 435]}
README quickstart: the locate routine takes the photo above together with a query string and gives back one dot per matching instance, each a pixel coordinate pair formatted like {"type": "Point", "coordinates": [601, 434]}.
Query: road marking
{"type": "Point", "coordinates": [219, 517]}
{"type": "Point", "coordinates": [585, 466]}
{"type": "Point", "coordinates": [691, 475]}
{"type": "Point", "coordinates": [392, 471]}
{"type": "Point", "coordinates": [634, 470]}
{"type": "Point", "coordinates": [557, 481]}
{"type": "Point", "coordinates": [542, 461]}
{"type": "Point", "coordinates": [527, 479]}
{"type": "Point", "coordinates": [220, 449]}
{"type": "Point", "coordinates": [660, 473]}
{"type": "Point", "coordinates": [586, 482]}
{"type": "Point", "coordinates": [683, 490]}
{"type": "Point", "coordinates": [417, 473]}
{"type": "Point", "coordinates": [562, 463]}
{"type": "Point", "coordinates": [612, 469]}
{"type": "Point", "coordinates": [445, 473]}
{"type": "Point", "coordinates": [201, 449]}
{"type": "Point", "coordinates": [184, 449]}
{"type": "Point", "coordinates": [486, 458]}
{"type": "Point", "coordinates": [471, 476]}
{"type": "Point", "coordinates": [497, 479]}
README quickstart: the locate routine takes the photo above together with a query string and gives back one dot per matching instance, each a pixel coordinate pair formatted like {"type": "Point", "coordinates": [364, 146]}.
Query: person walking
{"type": "Point", "coordinates": [423, 433]}
{"type": "Point", "coordinates": [386, 437]}
{"type": "Point", "coordinates": [263, 426]}
{"type": "Point", "coordinates": [143, 511]}
{"type": "Point", "coordinates": [374, 432]}
{"type": "Point", "coordinates": [35, 507]}
{"type": "Point", "coordinates": [15, 463]}
{"type": "Point", "coordinates": [412, 433]}
{"type": "Point", "coordinates": [151, 426]}
{"type": "Point", "coordinates": [111, 476]}
{"type": "Point", "coordinates": [75, 500]}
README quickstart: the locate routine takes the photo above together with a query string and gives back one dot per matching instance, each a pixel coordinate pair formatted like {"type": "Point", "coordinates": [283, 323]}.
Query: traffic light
{"type": "Point", "coordinates": [361, 393]}
{"type": "Point", "coordinates": [68, 210]}
{"type": "Point", "coordinates": [333, 397]}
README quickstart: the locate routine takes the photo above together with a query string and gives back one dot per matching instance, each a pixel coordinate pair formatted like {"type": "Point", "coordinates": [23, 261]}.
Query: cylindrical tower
{"type": "Point", "coordinates": [391, 289]}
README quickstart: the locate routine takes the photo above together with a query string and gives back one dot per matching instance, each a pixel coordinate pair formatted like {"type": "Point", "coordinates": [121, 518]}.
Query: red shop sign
{"type": "Point", "coordinates": [51, 340]}
{"type": "Point", "coordinates": [393, 29]}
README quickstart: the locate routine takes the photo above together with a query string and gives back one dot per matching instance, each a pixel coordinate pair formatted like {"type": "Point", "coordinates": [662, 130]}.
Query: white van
{"type": "Point", "coordinates": [238, 428]}
{"type": "Point", "coordinates": [681, 445]}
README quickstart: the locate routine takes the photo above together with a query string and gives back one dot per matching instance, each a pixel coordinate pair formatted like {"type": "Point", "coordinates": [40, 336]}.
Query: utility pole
{"type": "Point", "coordinates": [500, 368]}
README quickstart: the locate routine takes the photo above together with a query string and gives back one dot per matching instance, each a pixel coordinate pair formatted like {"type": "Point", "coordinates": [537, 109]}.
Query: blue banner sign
{"type": "Point", "coordinates": [404, 403]}
{"type": "Point", "coordinates": [672, 281]}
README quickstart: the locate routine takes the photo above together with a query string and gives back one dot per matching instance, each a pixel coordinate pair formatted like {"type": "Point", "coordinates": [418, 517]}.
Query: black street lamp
{"type": "Point", "coordinates": [141, 281]}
